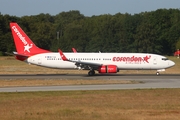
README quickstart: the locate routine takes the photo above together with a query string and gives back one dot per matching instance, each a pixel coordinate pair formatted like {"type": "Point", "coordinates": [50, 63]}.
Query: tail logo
{"type": "Point", "coordinates": [26, 45]}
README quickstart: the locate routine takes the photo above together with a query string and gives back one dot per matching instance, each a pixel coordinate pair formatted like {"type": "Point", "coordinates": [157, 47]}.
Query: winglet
{"type": "Point", "coordinates": [74, 50]}
{"type": "Point", "coordinates": [62, 55]}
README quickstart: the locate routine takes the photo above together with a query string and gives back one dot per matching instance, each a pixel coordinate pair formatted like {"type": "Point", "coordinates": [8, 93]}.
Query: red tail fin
{"type": "Point", "coordinates": [24, 45]}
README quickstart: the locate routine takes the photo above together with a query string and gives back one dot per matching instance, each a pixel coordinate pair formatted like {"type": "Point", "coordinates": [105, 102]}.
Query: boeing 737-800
{"type": "Point", "coordinates": [102, 62]}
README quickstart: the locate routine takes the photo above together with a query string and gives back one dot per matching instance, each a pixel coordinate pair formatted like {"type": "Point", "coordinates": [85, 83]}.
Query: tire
{"type": "Point", "coordinates": [91, 73]}
{"type": "Point", "coordinates": [157, 73]}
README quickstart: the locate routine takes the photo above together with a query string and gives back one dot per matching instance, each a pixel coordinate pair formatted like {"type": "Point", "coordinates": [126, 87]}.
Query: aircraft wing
{"type": "Point", "coordinates": [79, 63]}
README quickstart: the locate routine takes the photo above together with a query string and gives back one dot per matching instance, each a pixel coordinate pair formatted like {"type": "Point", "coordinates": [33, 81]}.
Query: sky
{"type": "Point", "coordinates": [86, 7]}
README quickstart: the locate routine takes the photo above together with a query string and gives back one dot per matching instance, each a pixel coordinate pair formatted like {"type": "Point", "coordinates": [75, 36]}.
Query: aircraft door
{"type": "Point", "coordinates": [155, 60]}
{"type": "Point", "coordinates": [39, 61]}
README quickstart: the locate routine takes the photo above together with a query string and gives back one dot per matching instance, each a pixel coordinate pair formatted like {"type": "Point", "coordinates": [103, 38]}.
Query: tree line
{"type": "Point", "coordinates": [148, 32]}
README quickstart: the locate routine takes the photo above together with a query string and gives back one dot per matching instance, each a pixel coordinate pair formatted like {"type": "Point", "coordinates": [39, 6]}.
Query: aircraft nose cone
{"type": "Point", "coordinates": [171, 63]}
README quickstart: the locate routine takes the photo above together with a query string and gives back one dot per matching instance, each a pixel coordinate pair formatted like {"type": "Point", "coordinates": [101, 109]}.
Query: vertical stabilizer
{"type": "Point", "coordinates": [24, 44]}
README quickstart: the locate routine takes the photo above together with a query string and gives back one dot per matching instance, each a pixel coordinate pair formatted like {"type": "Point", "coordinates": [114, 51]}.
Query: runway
{"type": "Point", "coordinates": [86, 77]}
{"type": "Point", "coordinates": [147, 81]}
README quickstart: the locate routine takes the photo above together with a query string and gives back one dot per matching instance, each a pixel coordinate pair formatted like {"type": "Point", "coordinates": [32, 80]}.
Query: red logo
{"type": "Point", "coordinates": [147, 58]}
{"type": "Point", "coordinates": [132, 59]}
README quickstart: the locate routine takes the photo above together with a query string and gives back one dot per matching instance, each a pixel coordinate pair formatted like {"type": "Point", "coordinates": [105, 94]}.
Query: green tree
{"type": "Point", "coordinates": [178, 44]}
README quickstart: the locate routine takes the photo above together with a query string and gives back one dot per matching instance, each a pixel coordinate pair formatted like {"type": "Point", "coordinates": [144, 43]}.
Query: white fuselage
{"type": "Point", "coordinates": [123, 61]}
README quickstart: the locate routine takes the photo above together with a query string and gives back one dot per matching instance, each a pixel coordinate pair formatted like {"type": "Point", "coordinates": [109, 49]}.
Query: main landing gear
{"type": "Point", "coordinates": [91, 73]}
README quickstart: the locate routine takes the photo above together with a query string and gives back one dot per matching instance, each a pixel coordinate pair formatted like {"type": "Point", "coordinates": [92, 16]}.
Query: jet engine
{"type": "Point", "coordinates": [108, 69]}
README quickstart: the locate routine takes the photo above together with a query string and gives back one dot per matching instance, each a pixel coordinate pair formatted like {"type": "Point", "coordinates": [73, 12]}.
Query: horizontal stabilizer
{"type": "Point", "coordinates": [21, 57]}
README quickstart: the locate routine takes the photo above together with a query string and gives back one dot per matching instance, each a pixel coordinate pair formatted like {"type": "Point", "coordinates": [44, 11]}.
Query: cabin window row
{"type": "Point", "coordinates": [76, 59]}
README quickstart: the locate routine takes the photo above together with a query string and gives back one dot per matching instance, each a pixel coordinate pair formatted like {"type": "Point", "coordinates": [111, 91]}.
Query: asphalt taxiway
{"type": "Point", "coordinates": [147, 81]}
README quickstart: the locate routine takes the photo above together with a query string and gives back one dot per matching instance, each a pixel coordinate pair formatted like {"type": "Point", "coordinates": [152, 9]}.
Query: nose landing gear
{"type": "Point", "coordinates": [157, 73]}
{"type": "Point", "coordinates": [161, 70]}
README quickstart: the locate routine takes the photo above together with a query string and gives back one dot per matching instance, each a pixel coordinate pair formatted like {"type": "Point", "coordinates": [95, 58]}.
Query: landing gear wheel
{"type": "Point", "coordinates": [91, 73]}
{"type": "Point", "coordinates": [157, 73]}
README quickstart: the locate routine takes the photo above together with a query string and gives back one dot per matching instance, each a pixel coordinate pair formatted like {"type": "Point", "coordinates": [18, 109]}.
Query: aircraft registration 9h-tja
{"type": "Point", "coordinates": [102, 62]}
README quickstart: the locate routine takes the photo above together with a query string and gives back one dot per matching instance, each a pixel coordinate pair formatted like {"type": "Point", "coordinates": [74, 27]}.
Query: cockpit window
{"type": "Point", "coordinates": [164, 58]}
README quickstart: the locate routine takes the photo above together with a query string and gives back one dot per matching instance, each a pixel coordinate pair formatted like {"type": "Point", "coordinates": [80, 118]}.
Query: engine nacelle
{"type": "Point", "coordinates": [108, 69]}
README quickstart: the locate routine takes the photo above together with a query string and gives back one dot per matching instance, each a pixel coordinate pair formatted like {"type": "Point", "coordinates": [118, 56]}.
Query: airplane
{"type": "Point", "coordinates": [102, 62]}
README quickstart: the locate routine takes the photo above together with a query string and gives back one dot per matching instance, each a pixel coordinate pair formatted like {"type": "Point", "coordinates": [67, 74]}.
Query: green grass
{"type": "Point", "coordinates": [156, 104]}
